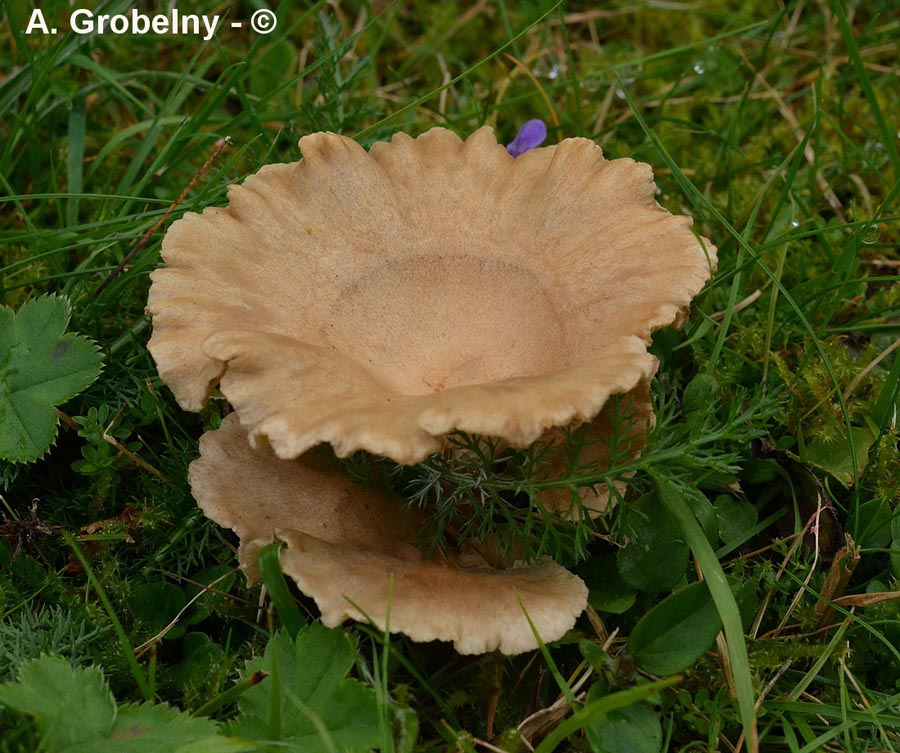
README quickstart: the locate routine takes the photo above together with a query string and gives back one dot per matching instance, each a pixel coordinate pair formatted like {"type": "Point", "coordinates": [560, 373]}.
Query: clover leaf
{"type": "Point", "coordinates": [41, 366]}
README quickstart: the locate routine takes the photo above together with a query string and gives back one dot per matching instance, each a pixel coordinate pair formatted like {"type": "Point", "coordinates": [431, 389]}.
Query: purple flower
{"type": "Point", "coordinates": [530, 135]}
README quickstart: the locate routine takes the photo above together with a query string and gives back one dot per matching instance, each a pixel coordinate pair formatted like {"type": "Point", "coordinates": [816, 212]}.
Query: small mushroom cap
{"type": "Point", "coordinates": [478, 608]}
{"type": "Point", "coordinates": [380, 300]}
{"type": "Point", "coordinates": [353, 549]}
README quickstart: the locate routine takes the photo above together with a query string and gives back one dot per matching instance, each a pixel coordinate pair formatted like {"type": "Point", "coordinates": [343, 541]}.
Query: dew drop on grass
{"type": "Point", "coordinates": [795, 223]}
{"type": "Point", "coordinates": [627, 75]}
{"type": "Point", "coordinates": [699, 68]}
{"type": "Point", "coordinates": [547, 67]}
{"type": "Point", "coordinates": [871, 234]}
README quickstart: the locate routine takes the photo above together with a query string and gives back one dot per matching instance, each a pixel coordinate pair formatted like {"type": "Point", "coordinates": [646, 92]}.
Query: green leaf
{"type": "Point", "coordinates": [154, 605]}
{"type": "Point", "coordinates": [149, 728]}
{"type": "Point", "coordinates": [406, 729]}
{"type": "Point", "coordinates": [594, 655]}
{"type": "Point", "coordinates": [200, 657]}
{"type": "Point", "coordinates": [735, 516]}
{"type": "Point", "coordinates": [598, 708]}
{"type": "Point", "coordinates": [76, 713]}
{"type": "Point", "coordinates": [40, 367]}
{"type": "Point", "coordinates": [307, 703]}
{"type": "Point", "coordinates": [700, 397]}
{"type": "Point", "coordinates": [676, 632]}
{"type": "Point", "coordinates": [631, 729]}
{"type": "Point", "coordinates": [657, 555]}
{"type": "Point", "coordinates": [220, 579]}
{"type": "Point", "coordinates": [273, 578]}
{"type": "Point", "coordinates": [673, 497]}
{"type": "Point", "coordinates": [762, 471]}
{"type": "Point", "coordinates": [271, 67]}
{"type": "Point", "coordinates": [70, 705]}
{"type": "Point", "coordinates": [706, 516]}
{"type": "Point", "coordinates": [895, 557]}
{"type": "Point", "coordinates": [607, 591]}
{"type": "Point", "coordinates": [837, 458]}
{"type": "Point", "coordinates": [873, 531]}
{"type": "Point", "coordinates": [218, 744]}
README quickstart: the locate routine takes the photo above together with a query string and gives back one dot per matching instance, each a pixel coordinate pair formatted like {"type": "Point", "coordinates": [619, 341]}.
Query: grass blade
{"type": "Point", "coordinates": [887, 137]}
{"type": "Point", "coordinates": [273, 577]}
{"type": "Point", "coordinates": [594, 711]}
{"type": "Point", "coordinates": [672, 497]}
{"type": "Point", "coordinates": [127, 648]}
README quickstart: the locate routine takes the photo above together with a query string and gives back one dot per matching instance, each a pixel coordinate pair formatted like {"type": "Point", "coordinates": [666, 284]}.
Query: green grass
{"type": "Point", "coordinates": [774, 129]}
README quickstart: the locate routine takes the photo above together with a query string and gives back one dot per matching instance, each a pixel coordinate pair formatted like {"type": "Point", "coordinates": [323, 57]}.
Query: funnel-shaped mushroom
{"type": "Point", "coordinates": [353, 549]}
{"type": "Point", "coordinates": [380, 300]}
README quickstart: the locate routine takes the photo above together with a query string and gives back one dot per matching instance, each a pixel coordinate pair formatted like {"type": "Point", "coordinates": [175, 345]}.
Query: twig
{"type": "Point", "coordinates": [142, 649]}
{"type": "Point", "coordinates": [748, 301]}
{"type": "Point", "coordinates": [862, 374]}
{"type": "Point", "coordinates": [220, 145]}
{"type": "Point", "coordinates": [110, 439]}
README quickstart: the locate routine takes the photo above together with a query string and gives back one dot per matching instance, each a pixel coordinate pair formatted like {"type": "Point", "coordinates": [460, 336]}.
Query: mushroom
{"type": "Point", "coordinates": [353, 549]}
{"type": "Point", "coordinates": [381, 300]}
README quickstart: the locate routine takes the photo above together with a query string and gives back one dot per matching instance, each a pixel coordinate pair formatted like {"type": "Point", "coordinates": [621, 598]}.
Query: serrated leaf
{"type": "Point", "coordinates": [148, 728]}
{"type": "Point", "coordinates": [70, 705]}
{"type": "Point", "coordinates": [75, 712]}
{"type": "Point", "coordinates": [40, 367]}
{"type": "Point", "coordinates": [316, 708]}
{"type": "Point", "coordinates": [218, 744]}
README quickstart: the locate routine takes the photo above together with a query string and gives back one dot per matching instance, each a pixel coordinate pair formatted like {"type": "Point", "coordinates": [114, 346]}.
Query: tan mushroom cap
{"type": "Point", "coordinates": [380, 300]}
{"type": "Point", "coordinates": [353, 549]}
